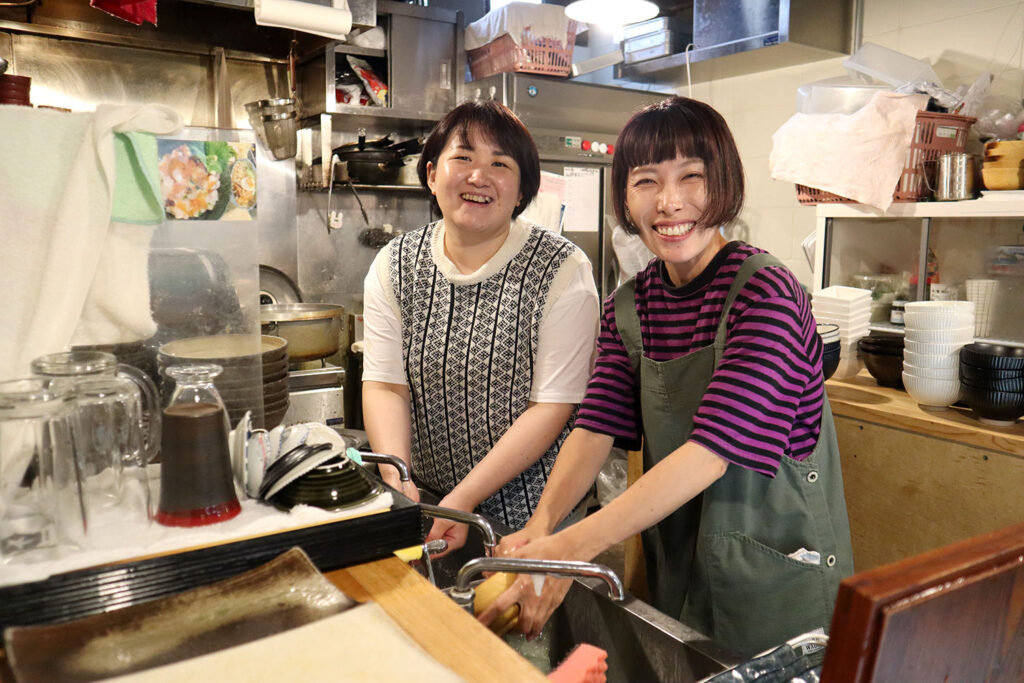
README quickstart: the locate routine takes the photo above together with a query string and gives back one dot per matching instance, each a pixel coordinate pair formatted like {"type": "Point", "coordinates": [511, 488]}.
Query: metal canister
{"type": "Point", "coordinates": [954, 177]}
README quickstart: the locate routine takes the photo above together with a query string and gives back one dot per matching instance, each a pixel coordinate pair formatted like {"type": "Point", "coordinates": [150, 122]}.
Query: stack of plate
{"type": "Point", "coordinates": [850, 309]}
{"type": "Point", "coordinates": [935, 331]}
{"type": "Point", "coordinates": [250, 381]}
{"type": "Point", "coordinates": [333, 485]}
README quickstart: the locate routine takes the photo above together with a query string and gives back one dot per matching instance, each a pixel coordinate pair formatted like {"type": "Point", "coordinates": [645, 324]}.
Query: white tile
{"type": "Point", "coordinates": [992, 35]}
{"type": "Point", "coordinates": [917, 12]}
{"type": "Point", "coordinates": [880, 16]}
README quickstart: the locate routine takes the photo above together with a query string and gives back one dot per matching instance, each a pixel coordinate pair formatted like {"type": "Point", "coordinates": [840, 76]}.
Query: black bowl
{"type": "Point", "coordinates": [829, 363]}
{"type": "Point", "coordinates": [1000, 406]}
{"type": "Point", "coordinates": [831, 347]}
{"type": "Point", "coordinates": [886, 339]}
{"type": "Point", "coordinates": [1014, 385]}
{"type": "Point", "coordinates": [886, 368]}
{"type": "Point", "coordinates": [994, 356]}
{"type": "Point", "coordinates": [865, 345]}
{"type": "Point", "coordinates": [984, 374]}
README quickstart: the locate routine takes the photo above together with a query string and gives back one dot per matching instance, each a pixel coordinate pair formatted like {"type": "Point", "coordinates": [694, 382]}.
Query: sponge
{"type": "Point", "coordinates": [585, 664]}
{"type": "Point", "coordinates": [487, 592]}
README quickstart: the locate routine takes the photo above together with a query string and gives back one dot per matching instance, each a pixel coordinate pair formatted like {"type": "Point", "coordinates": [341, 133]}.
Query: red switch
{"type": "Point", "coordinates": [586, 145]}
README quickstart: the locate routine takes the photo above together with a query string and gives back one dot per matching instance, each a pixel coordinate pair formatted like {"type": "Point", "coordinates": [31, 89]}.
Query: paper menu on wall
{"type": "Point", "coordinates": [548, 207]}
{"type": "Point", "coordinates": [582, 199]}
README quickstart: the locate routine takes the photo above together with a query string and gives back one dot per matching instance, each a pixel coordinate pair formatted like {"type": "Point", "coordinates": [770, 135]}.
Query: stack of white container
{"type": "Point", "coordinates": [934, 333]}
{"type": "Point", "coordinates": [850, 308]}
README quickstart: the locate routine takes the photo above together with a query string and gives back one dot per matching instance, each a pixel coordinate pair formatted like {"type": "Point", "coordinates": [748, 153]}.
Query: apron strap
{"type": "Point", "coordinates": [750, 266]}
{"type": "Point", "coordinates": [628, 322]}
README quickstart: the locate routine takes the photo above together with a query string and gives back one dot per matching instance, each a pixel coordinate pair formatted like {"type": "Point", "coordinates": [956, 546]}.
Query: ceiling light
{"type": "Point", "coordinates": [611, 13]}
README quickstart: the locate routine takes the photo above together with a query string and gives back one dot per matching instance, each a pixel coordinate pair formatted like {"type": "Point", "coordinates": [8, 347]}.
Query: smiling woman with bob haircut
{"type": "Point", "coordinates": [479, 328]}
{"type": "Point", "coordinates": [710, 356]}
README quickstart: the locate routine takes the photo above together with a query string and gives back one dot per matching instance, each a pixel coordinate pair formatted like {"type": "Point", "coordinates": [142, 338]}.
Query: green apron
{"type": "Point", "coordinates": [720, 562]}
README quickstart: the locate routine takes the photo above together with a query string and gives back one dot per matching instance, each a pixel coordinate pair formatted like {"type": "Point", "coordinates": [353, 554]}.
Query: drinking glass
{"type": "Point", "coordinates": [40, 509]}
{"type": "Point", "coordinates": [196, 483]}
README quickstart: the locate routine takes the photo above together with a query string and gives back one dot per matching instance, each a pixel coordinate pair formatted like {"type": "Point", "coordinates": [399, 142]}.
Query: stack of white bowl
{"type": "Point", "coordinates": [983, 293]}
{"type": "Point", "coordinates": [934, 333]}
{"type": "Point", "coordinates": [850, 308]}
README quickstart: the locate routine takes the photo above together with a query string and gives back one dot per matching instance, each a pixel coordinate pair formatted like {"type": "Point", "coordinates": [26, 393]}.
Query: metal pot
{"type": "Point", "coordinates": [313, 331]}
{"type": "Point", "coordinates": [376, 162]}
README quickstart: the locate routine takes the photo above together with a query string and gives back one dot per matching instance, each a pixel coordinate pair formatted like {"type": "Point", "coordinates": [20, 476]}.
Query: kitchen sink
{"type": "Point", "coordinates": [642, 643]}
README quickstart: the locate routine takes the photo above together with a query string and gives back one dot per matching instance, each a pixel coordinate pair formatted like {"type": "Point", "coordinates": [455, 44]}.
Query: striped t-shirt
{"type": "Point", "coordinates": [765, 398]}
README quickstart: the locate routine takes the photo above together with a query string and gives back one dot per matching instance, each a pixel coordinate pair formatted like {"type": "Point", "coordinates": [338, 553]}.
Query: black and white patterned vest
{"type": "Point", "coordinates": [469, 354]}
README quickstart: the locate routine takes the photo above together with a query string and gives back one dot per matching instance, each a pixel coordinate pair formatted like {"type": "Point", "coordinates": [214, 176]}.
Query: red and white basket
{"type": "Point", "coordinates": [531, 55]}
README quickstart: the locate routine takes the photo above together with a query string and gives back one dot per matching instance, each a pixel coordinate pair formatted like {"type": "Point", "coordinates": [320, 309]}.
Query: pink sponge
{"type": "Point", "coordinates": [585, 664]}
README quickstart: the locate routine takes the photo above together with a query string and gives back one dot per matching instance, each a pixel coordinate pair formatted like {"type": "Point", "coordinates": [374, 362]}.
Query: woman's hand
{"type": "Point", "coordinates": [508, 544]}
{"type": "Point", "coordinates": [454, 533]}
{"type": "Point", "coordinates": [534, 610]}
{"type": "Point", "coordinates": [407, 488]}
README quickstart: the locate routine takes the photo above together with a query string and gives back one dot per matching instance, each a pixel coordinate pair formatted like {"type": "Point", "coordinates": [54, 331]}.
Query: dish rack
{"type": "Point", "coordinates": [934, 134]}
{"type": "Point", "coordinates": [530, 55]}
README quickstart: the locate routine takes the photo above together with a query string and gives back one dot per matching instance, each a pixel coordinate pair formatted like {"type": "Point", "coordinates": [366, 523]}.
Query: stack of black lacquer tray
{"type": "Point", "coordinates": [330, 546]}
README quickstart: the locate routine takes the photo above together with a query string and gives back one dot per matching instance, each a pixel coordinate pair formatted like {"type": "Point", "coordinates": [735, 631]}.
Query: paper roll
{"type": "Point", "coordinates": [331, 22]}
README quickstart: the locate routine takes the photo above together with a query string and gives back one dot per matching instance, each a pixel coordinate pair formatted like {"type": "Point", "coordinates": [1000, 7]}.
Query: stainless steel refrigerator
{"type": "Point", "coordinates": [575, 126]}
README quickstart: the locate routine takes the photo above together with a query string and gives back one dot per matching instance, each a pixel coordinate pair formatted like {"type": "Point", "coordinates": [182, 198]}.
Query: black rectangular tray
{"type": "Point", "coordinates": [330, 546]}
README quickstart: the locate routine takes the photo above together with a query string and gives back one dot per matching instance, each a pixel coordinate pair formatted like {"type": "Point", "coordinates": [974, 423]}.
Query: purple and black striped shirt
{"type": "Point", "coordinates": [765, 398]}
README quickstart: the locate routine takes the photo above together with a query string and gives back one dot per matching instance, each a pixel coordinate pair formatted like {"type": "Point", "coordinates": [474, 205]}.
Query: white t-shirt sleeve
{"type": "Point", "coordinates": [382, 328]}
{"type": "Point", "coordinates": [566, 344]}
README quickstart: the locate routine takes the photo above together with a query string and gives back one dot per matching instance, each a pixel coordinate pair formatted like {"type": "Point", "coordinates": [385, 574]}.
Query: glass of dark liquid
{"type": "Point", "coordinates": [196, 482]}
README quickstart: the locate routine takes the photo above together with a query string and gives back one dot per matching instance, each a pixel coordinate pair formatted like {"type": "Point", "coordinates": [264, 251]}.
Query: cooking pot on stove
{"type": "Point", "coordinates": [313, 331]}
{"type": "Point", "coordinates": [376, 162]}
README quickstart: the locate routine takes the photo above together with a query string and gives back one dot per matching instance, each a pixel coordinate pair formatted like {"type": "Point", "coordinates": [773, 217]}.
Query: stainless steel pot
{"type": "Point", "coordinates": [313, 331]}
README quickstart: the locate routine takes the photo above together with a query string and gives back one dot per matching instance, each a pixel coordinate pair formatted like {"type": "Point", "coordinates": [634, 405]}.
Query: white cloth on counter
{"type": "Point", "coordinates": [565, 354]}
{"type": "Point", "coordinates": [542, 21]}
{"type": "Point", "coordinates": [57, 175]}
{"type": "Point", "coordinates": [859, 156]}
{"type": "Point", "coordinates": [123, 532]}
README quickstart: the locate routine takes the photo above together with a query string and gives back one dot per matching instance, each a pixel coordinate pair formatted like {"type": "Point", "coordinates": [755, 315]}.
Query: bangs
{"type": "Point", "coordinates": [659, 137]}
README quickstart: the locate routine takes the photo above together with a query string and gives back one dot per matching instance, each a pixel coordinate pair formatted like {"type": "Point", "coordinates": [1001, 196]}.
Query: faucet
{"type": "Point", "coordinates": [471, 518]}
{"type": "Point", "coordinates": [463, 593]}
{"type": "Point", "coordinates": [393, 460]}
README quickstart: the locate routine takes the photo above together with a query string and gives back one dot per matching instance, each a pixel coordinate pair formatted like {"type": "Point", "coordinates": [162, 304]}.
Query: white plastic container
{"type": "Point", "coordinates": [889, 66]}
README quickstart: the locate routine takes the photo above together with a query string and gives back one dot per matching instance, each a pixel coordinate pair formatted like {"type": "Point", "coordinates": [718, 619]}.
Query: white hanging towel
{"type": "Point", "coordinates": [57, 176]}
{"type": "Point", "coordinates": [859, 156]}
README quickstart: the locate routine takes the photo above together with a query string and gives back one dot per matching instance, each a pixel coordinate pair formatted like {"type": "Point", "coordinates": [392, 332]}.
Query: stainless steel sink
{"type": "Point", "coordinates": [642, 643]}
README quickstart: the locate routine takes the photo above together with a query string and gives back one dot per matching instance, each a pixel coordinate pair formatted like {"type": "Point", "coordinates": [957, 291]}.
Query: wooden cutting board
{"type": "Point", "coordinates": [441, 627]}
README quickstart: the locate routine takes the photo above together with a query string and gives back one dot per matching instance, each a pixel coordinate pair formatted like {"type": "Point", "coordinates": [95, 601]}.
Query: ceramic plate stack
{"type": "Point", "coordinates": [333, 485]}
{"type": "Point", "coordinates": [250, 381]}
{"type": "Point", "coordinates": [934, 333]}
{"type": "Point", "coordinates": [850, 309]}
{"type": "Point", "coordinates": [993, 382]}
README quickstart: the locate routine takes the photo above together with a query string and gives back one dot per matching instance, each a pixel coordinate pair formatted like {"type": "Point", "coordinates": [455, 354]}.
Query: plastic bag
{"type": "Point", "coordinates": [631, 253]}
{"type": "Point", "coordinates": [999, 119]}
{"type": "Point", "coordinates": [373, 38]}
{"type": "Point", "coordinates": [375, 86]}
{"type": "Point", "coordinates": [611, 480]}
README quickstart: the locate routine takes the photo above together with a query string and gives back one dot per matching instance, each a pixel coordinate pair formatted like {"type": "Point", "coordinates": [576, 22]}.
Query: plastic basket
{"type": "Point", "coordinates": [934, 134]}
{"type": "Point", "coordinates": [531, 55]}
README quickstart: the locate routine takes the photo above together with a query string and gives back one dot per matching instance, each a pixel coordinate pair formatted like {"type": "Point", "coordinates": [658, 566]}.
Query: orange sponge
{"type": "Point", "coordinates": [585, 664]}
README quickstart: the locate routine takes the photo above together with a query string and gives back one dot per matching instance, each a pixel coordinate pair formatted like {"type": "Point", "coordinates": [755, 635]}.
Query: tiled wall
{"type": "Point", "coordinates": [959, 38]}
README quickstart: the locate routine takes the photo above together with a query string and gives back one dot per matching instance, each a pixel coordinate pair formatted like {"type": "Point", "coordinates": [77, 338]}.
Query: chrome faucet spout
{"type": "Point", "coordinates": [471, 518]}
{"type": "Point", "coordinates": [463, 592]}
{"type": "Point", "coordinates": [393, 460]}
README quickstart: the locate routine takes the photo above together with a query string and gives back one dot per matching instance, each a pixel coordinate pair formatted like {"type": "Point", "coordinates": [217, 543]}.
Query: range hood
{"type": "Point", "coordinates": [735, 37]}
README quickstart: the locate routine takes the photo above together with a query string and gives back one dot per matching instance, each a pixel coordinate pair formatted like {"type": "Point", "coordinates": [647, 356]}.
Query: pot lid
{"type": "Point", "coordinates": [287, 312]}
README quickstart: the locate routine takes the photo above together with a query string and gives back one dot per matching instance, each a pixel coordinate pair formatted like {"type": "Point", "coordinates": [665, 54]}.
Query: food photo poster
{"type": "Point", "coordinates": [209, 180]}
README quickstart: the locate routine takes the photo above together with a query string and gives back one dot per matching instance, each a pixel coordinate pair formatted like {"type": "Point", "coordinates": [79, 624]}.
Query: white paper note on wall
{"type": "Point", "coordinates": [582, 199]}
{"type": "Point", "coordinates": [548, 206]}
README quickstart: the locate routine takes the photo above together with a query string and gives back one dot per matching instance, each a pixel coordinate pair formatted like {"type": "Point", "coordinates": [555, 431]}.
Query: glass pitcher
{"type": "Point", "coordinates": [196, 483]}
{"type": "Point", "coordinates": [72, 366]}
{"type": "Point", "coordinates": [40, 508]}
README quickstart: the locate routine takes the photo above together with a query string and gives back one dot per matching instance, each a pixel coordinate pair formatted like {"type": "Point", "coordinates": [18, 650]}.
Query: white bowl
{"type": "Point", "coordinates": [928, 360]}
{"type": "Point", "coordinates": [937, 320]}
{"type": "Point", "coordinates": [952, 335]}
{"type": "Point", "coordinates": [849, 364]}
{"type": "Point", "coordinates": [932, 348]}
{"type": "Point", "coordinates": [923, 306]}
{"type": "Point", "coordinates": [932, 393]}
{"type": "Point", "coordinates": [931, 373]}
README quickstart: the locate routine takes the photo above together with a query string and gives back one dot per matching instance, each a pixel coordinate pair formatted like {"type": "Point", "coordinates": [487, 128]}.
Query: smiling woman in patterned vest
{"type": "Point", "coordinates": [480, 328]}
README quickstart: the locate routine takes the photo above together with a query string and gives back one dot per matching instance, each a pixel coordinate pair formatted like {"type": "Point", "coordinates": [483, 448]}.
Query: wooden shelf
{"type": "Point", "coordinates": [861, 398]}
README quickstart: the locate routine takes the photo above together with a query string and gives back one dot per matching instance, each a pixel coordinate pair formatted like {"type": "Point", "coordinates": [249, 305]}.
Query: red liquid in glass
{"type": "Point", "coordinates": [196, 483]}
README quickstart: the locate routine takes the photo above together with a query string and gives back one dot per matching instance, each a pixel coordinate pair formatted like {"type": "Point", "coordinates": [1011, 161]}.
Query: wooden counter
{"type": "Point", "coordinates": [443, 629]}
{"type": "Point", "coordinates": [918, 479]}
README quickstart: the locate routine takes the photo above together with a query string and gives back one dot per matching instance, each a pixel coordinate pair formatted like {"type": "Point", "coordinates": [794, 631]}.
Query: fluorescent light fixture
{"type": "Point", "coordinates": [611, 13]}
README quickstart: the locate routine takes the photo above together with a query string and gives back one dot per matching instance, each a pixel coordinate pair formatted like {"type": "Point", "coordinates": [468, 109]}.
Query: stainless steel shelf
{"type": "Point", "coordinates": [372, 115]}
